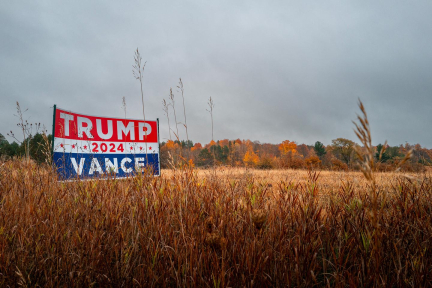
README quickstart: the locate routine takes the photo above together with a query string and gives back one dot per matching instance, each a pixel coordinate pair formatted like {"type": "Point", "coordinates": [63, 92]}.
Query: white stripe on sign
{"type": "Point", "coordinates": [103, 147]}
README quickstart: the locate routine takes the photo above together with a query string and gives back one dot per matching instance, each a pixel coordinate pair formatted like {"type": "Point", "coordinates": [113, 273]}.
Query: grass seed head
{"type": "Point", "coordinates": [216, 241]}
{"type": "Point", "coordinates": [209, 224]}
{"type": "Point", "coordinates": [259, 217]}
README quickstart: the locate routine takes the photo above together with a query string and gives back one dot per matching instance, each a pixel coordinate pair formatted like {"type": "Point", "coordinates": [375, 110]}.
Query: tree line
{"type": "Point", "coordinates": [339, 155]}
{"type": "Point", "coordinates": [39, 148]}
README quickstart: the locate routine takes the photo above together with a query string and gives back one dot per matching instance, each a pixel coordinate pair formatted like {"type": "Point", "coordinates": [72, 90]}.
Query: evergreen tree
{"type": "Point", "coordinates": [319, 149]}
{"type": "Point", "coordinates": [3, 145]}
{"type": "Point", "coordinates": [385, 156]}
{"type": "Point", "coordinates": [205, 157]}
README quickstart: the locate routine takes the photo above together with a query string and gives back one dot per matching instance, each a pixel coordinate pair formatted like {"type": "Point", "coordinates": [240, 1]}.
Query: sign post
{"type": "Point", "coordinates": [53, 130]}
{"type": "Point", "coordinates": [86, 146]}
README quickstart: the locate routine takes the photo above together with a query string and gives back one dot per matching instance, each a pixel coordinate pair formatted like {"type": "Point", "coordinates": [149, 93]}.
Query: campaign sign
{"type": "Point", "coordinates": [87, 146]}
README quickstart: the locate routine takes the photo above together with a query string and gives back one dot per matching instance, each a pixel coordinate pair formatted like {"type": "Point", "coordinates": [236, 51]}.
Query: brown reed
{"type": "Point", "coordinates": [226, 228]}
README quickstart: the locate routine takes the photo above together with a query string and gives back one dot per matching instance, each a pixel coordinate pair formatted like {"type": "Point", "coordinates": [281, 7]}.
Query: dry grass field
{"type": "Point", "coordinates": [329, 180]}
{"type": "Point", "coordinates": [223, 227]}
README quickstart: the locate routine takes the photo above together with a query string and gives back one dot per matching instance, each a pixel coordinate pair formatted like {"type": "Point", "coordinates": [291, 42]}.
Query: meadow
{"type": "Point", "coordinates": [221, 227]}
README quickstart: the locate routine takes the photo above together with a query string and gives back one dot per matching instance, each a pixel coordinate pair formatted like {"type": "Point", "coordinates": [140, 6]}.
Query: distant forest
{"type": "Point", "coordinates": [340, 155]}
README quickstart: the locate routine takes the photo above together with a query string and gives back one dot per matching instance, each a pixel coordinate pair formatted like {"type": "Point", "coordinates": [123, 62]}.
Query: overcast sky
{"type": "Point", "coordinates": [276, 70]}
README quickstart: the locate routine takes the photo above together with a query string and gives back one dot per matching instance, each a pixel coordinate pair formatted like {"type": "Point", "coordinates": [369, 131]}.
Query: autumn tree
{"type": "Point", "coordinates": [287, 147]}
{"type": "Point", "coordinates": [313, 161]}
{"type": "Point", "coordinates": [265, 162]}
{"type": "Point", "coordinates": [250, 159]}
{"type": "Point", "coordinates": [224, 142]}
{"type": "Point", "coordinates": [212, 143]}
{"type": "Point", "coordinates": [287, 150]}
{"type": "Point", "coordinates": [172, 145]}
{"type": "Point", "coordinates": [304, 150]}
{"type": "Point", "coordinates": [169, 153]}
{"type": "Point", "coordinates": [197, 146]}
{"type": "Point", "coordinates": [422, 155]}
{"type": "Point", "coordinates": [338, 165]}
{"type": "Point", "coordinates": [268, 149]}
{"type": "Point", "coordinates": [344, 149]}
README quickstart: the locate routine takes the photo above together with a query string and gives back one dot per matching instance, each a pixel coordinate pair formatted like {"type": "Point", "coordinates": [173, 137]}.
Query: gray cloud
{"type": "Point", "coordinates": [282, 70]}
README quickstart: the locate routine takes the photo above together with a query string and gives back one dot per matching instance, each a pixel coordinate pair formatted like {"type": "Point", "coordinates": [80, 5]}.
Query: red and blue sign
{"type": "Point", "coordinates": [87, 146]}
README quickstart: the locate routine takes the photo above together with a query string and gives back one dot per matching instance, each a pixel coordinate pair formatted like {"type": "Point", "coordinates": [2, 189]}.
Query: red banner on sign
{"type": "Point", "coordinates": [76, 126]}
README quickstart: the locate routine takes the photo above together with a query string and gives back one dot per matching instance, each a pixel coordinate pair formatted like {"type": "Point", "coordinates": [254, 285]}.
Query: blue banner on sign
{"type": "Point", "coordinates": [79, 165]}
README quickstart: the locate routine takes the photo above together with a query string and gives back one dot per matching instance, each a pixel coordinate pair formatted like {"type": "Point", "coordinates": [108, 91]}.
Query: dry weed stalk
{"type": "Point", "coordinates": [367, 163]}
{"type": "Point", "coordinates": [166, 110]}
{"type": "Point", "coordinates": [124, 106]}
{"type": "Point", "coordinates": [26, 129]}
{"type": "Point", "coordinates": [137, 71]}
{"type": "Point", "coordinates": [180, 86]}
{"type": "Point", "coordinates": [368, 168]}
{"type": "Point", "coordinates": [211, 106]}
{"type": "Point", "coordinates": [171, 96]}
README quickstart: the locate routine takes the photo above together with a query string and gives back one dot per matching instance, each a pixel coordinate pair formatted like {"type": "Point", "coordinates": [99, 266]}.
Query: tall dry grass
{"type": "Point", "coordinates": [218, 228]}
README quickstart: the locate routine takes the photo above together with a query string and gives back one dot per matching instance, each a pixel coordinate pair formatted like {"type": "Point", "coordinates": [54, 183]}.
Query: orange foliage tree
{"type": "Point", "coordinates": [287, 146]}
{"type": "Point", "coordinates": [313, 161]}
{"type": "Point", "coordinates": [250, 158]}
{"type": "Point", "coordinates": [224, 142]}
{"type": "Point", "coordinates": [171, 145]}
{"type": "Point", "coordinates": [197, 146]}
{"type": "Point", "coordinates": [212, 143]}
